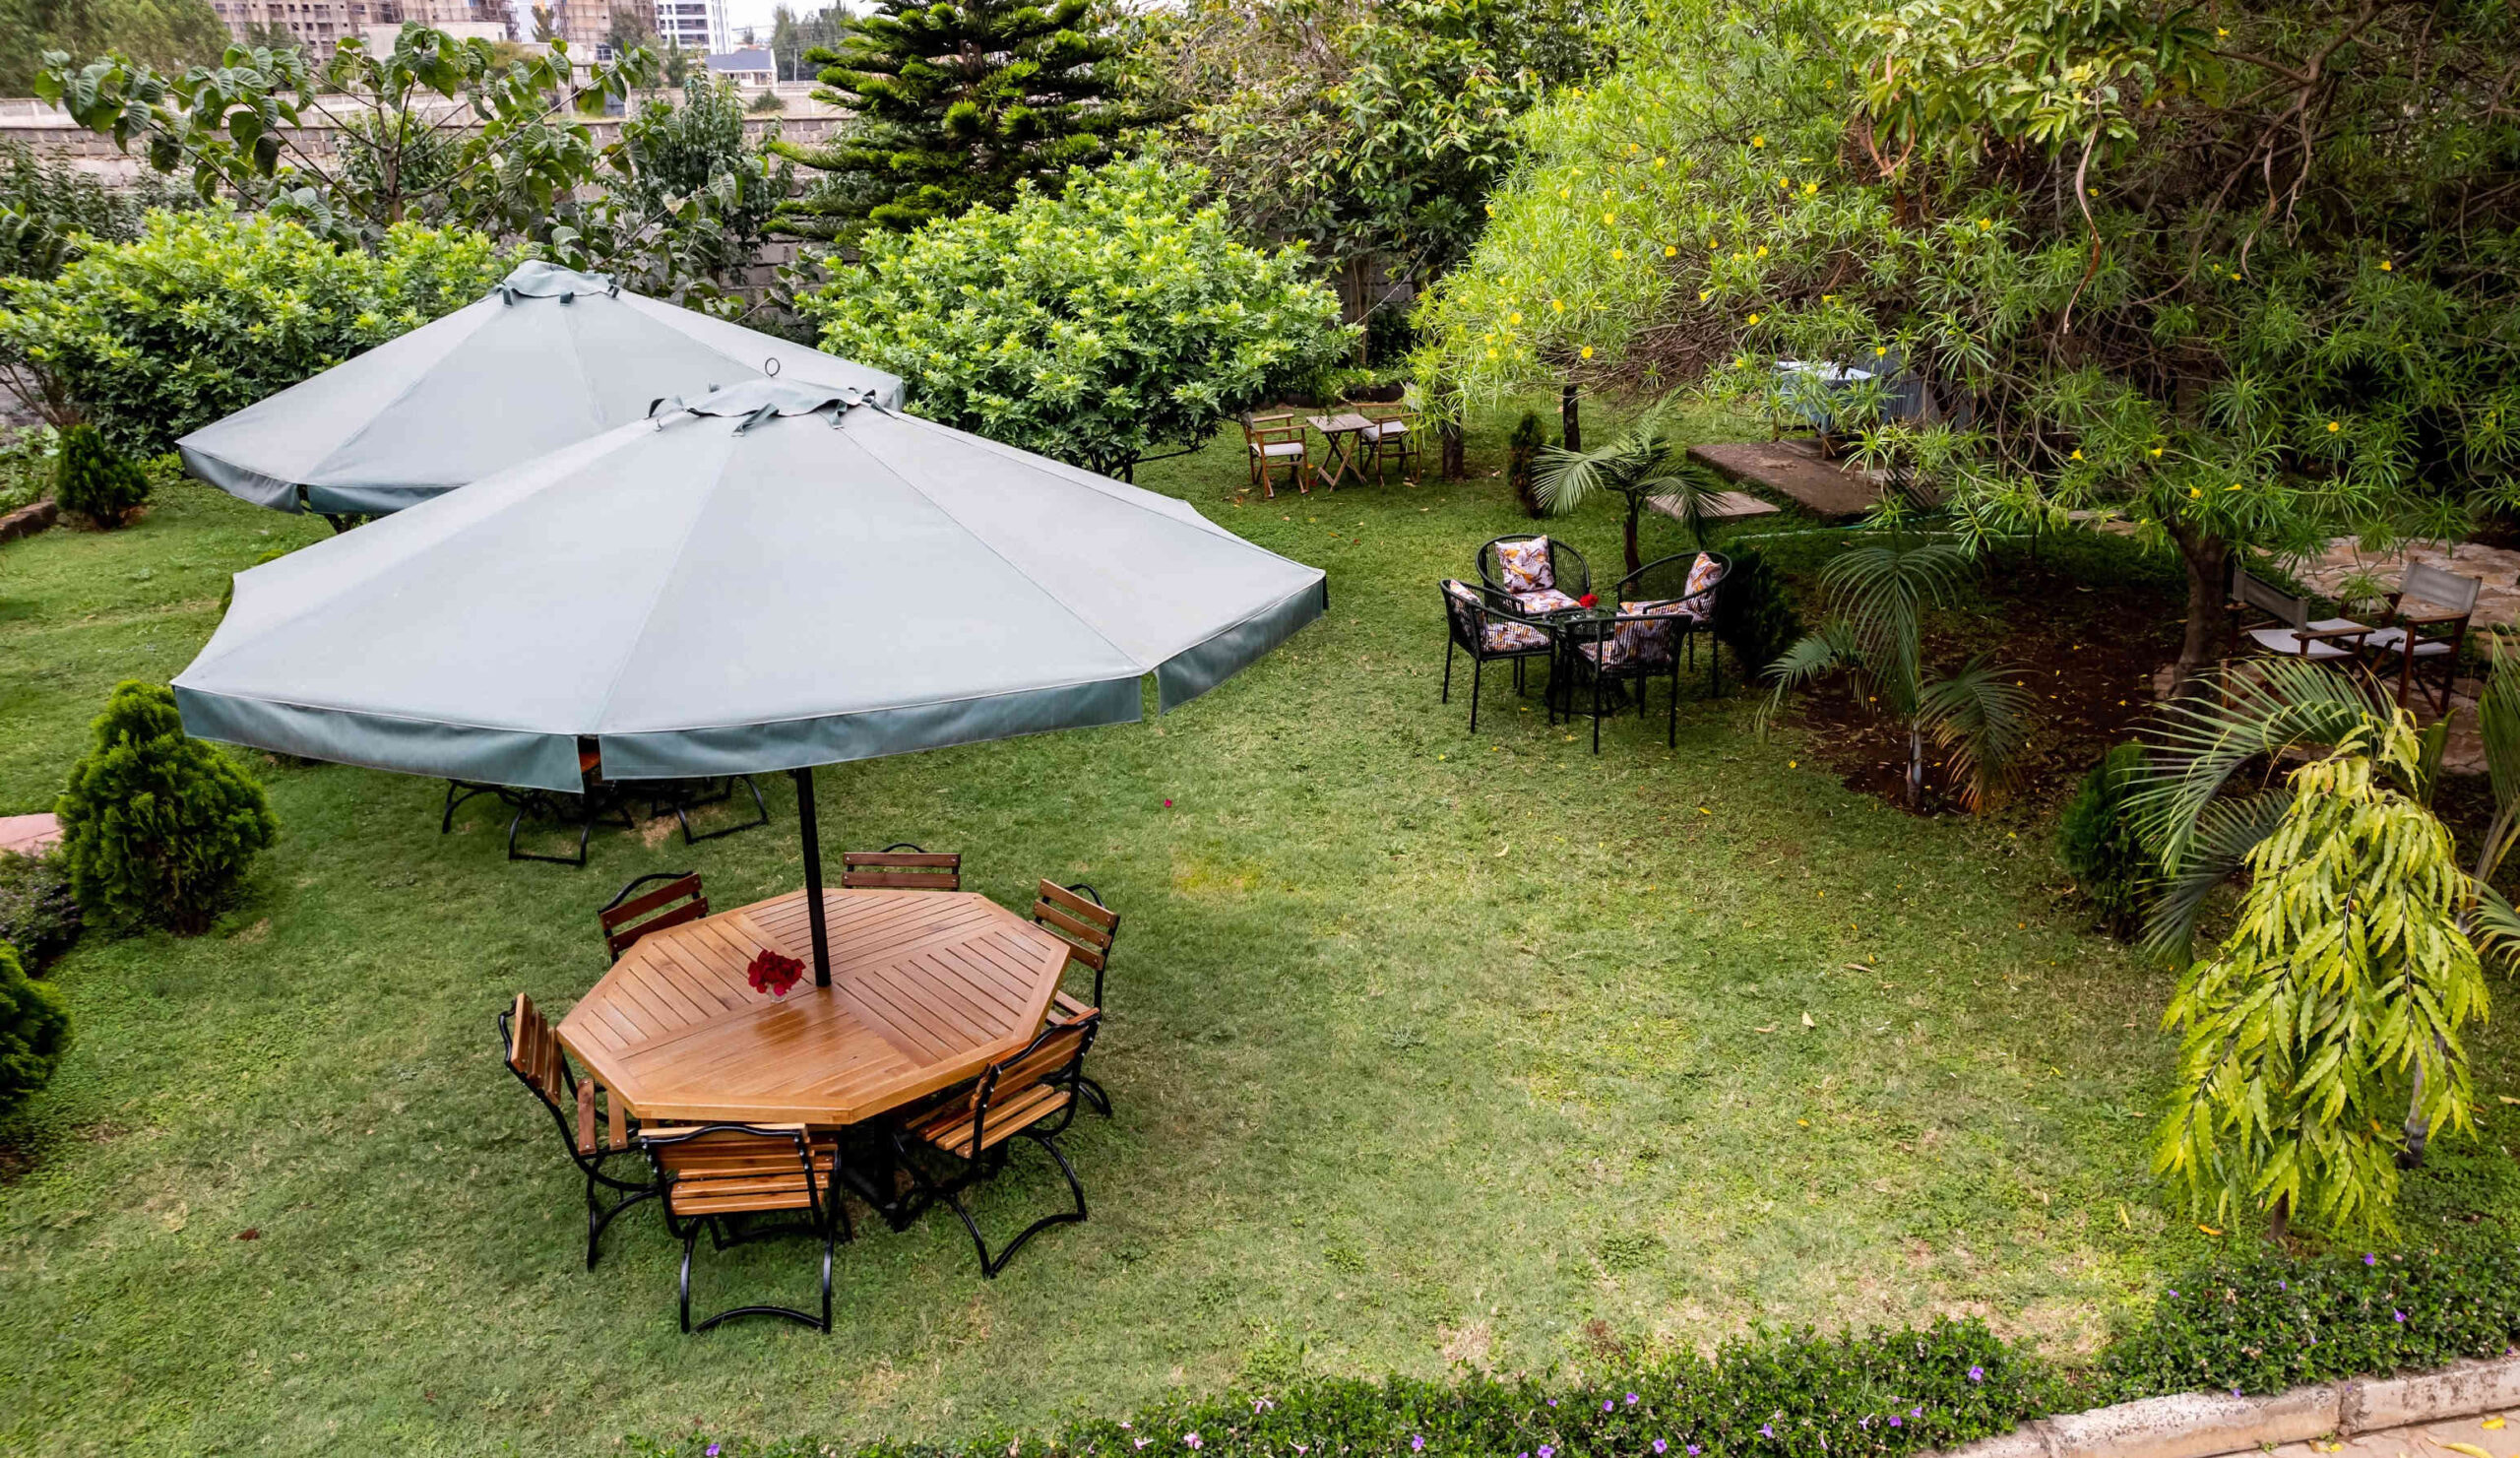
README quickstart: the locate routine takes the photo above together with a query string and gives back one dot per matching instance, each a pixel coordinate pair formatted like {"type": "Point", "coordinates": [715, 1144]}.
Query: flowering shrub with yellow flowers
{"type": "Point", "coordinates": [2239, 279]}
{"type": "Point", "coordinates": [1092, 327]}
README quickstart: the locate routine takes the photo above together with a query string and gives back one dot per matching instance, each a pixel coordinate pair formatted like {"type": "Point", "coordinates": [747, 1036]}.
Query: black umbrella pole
{"type": "Point", "coordinates": [813, 874]}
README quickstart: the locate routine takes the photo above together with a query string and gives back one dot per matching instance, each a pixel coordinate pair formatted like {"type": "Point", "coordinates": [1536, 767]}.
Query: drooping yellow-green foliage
{"type": "Point", "coordinates": [2341, 990]}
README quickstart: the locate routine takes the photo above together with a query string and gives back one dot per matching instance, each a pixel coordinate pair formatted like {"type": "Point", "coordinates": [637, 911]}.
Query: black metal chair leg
{"type": "Point", "coordinates": [689, 1235]}
{"type": "Point", "coordinates": [1476, 664]}
{"type": "Point", "coordinates": [1094, 1095]}
{"type": "Point", "coordinates": [599, 1216]}
{"type": "Point", "coordinates": [1449, 645]}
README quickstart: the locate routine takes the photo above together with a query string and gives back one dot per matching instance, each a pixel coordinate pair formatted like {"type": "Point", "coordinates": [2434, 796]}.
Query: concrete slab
{"type": "Point", "coordinates": [1726, 506]}
{"type": "Point", "coordinates": [2498, 1435]}
{"type": "Point", "coordinates": [2498, 567]}
{"type": "Point", "coordinates": [1794, 469]}
{"type": "Point", "coordinates": [29, 835]}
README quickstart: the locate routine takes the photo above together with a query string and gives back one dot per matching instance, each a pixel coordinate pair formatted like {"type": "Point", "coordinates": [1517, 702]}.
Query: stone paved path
{"type": "Point", "coordinates": [2498, 1436]}
{"type": "Point", "coordinates": [2498, 602]}
{"type": "Point", "coordinates": [30, 835]}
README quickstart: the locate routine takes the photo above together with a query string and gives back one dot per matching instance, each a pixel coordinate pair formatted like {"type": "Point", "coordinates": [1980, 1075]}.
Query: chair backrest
{"type": "Point", "coordinates": [1055, 1055]}
{"type": "Point", "coordinates": [1273, 429]}
{"type": "Point", "coordinates": [627, 917]}
{"type": "Point", "coordinates": [533, 1051]}
{"type": "Point", "coordinates": [1076, 915]}
{"type": "Point", "coordinates": [2425, 583]}
{"type": "Point", "coordinates": [1492, 564]}
{"type": "Point", "coordinates": [2252, 591]}
{"type": "Point", "coordinates": [734, 1169]}
{"type": "Point", "coordinates": [1464, 609]}
{"type": "Point", "coordinates": [903, 866]}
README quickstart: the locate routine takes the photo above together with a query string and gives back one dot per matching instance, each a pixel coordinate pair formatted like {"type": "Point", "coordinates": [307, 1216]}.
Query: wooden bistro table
{"type": "Point", "coordinates": [1346, 434]}
{"type": "Point", "coordinates": [927, 988]}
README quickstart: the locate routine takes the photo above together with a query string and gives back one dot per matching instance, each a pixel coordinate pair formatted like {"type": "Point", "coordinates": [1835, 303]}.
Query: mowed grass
{"type": "Point", "coordinates": [1425, 1049]}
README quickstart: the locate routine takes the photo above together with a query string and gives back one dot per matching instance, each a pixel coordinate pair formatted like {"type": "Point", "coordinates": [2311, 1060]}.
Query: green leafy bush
{"type": "Point", "coordinates": [158, 828]}
{"type": "Point", "coordinates": [1093, 326]}
{"type": "Point", "coordinates": [37, 913]}
{"type": "Point", "coordinates": [46, 201]}
{"type": "Point", "coordinates": [97, 480]}
{"type": "Point", "coordinates": [209, 312]}
{"type": "Point", "coordinates": [1753, 615]}
{"type": "Point", "coordinates": [2097, 841]}
{"type": "Point", "coordinates": [29, 463]}
{"type": "Point", "coordinates": [2261, 1322]}
{"type": "Point", "coordinates": [1868, 1395]}
{"type": "Point", "coordinates": [34, 1029]}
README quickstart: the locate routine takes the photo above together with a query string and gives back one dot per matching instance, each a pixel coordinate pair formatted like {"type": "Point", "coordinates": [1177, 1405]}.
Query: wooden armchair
{"type": "Point", "coordinates": [593, 1126]}
{"type": "Point", "coordinates": [1076, 915]}
{"type": "Point", "coordinates": [2429, 623]}
{"type": "Point", "coordinates": [972, 1132]}
{"type": "Point", "coordinates": [627, 918]}
{"type": "Point", "coordinates": [2284, 627]}
{"type": "Point", "coordinates": [1393, 436]}
{"type": "Point", "coordinates": [1274, 441]}
{"type": "Point", "coordinates": [903, 866]}
{"type": "Point", "coordinates": [717, 1176]}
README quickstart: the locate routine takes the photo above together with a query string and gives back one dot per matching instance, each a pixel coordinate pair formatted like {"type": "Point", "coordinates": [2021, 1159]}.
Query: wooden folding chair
{"type": "Point", "coordinates": [1076, 915]}
{"type": "Point", "coordinates": [1276, 440]}
{"type": "Point", "coordinates": [903, 866]}
{"type": "Point", "coordinates": [973, 1130]}
{"type": "Point", "coordinates": [2285, 629]}
{"type": "Point", "coordinates": [1393, 436]}
{"type": "Point", "coordinates": [602, 1128]}
{"type": "Point", "coordinates": [626, 918]}
{"type": "Point", "coordinates": [2428, 618]}
{"type": "Point", "coordinates": [717, 1176]}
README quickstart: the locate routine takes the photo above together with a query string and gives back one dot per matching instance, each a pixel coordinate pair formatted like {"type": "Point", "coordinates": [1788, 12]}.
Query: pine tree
{"type": "Point", "coordinates": [955, 103]}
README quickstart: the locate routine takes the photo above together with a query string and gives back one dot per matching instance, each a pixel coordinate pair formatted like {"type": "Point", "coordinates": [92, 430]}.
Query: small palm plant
{"type": "Point", "coordinates": [1647, 461]}
{"type": "Point", "coordinates": [1876, 595]}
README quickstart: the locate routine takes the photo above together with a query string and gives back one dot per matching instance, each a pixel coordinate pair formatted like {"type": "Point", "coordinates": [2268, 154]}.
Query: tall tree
{"type": "Point", "coordinates": [166, 34]}
{"type": "Point", "coordinates": [792, 34]}
{"type": "Point", "coordinates": [954, 104]}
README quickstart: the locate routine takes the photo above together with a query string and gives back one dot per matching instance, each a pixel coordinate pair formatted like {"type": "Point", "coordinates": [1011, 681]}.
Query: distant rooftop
{"type": "Point", "coordinates": [757, 59]}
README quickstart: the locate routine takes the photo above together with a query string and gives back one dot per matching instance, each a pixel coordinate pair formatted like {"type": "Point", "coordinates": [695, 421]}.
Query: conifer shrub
{"type": "Point", "coordinates": [2097, 841]}
{"type": "Point", "coordinates": [98, 482]}
{"type": "Point", "coordinates": [34, 1029]}
{"type": "Point", "coordinates": [158, 828]}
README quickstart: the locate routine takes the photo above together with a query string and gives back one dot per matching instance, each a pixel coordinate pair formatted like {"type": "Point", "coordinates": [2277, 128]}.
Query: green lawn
{"type": "Point", "coordinates": [1425, 1049]}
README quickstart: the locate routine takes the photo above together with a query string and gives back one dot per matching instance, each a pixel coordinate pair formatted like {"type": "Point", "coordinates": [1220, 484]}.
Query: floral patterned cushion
{"type": "Point", "coordinates": [1546, 599]}
{"type": "Point", "coordinates": [1702, 575]}
{"type": "Point", "coordinates": [1525, 565]}
{"type": "Point", "coordinates": [1651, 642]}
{"type": "Point", "coordinates": [1507, 636]}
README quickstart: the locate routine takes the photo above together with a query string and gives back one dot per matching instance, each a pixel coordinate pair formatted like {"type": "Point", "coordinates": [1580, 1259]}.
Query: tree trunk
{"type": "Point", "coordinates": [1449, 437]}
{"type": "Point", "coordinates": [2209, 619]}
{"type": "Point", "coordinates": [1570, 429]}
{"type": "Point", "coordinates": [1635, 563]}
{"type": "Point", "coordinates": [2279, 1222]}
{"type": "Point", "coordinates": [1916, 766]}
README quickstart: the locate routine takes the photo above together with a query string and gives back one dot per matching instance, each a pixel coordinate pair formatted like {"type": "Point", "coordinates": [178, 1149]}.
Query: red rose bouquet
{"type": "Point", "coordinates": [773, 973]}
{"type": "Point", "coordinates": [1588, 601]}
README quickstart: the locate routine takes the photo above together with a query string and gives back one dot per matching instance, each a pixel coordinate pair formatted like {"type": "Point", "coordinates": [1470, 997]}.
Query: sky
{"type": "Point", "coordinates": [756, 14]}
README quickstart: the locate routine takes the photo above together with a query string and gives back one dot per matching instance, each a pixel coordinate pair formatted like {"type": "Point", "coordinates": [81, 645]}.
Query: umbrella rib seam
{"type": "Point", "coordinates": [408, 389]}
{"type": "Point", "coordinates": [673, 562]}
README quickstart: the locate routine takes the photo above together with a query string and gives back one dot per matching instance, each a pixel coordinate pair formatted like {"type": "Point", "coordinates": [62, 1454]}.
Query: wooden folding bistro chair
{"type": "Point", "coordinates": [2285, 628]}
{"type": "Point", "coordinates": [1393, 436]}
{"type": "Point", "coordinates": [1276, 440]}
{"type": "Point", "coordinates": [626, 918]}
{"type": "Point", "coordinates": [719, 1176]}
{"type": "Point", "coordinates": [2428, 618]}
{"type": "Point", "coordinates": [903, 866]}
{"type": "Point", "coordinates": [1076, 915]}
{"type": "Point", "coordinates": [601, 1128]}
{"type": "Point", "coordinates": [973, 1130]}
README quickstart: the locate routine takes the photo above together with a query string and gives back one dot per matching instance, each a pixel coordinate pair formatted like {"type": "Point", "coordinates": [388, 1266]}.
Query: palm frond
{"type": "Point", "coordinates": [2261, 713]}
{"type": "Point", "coordinates": [1982, 716]}
{"type": "Point", "coordinates": [1813, 656]}
{"type": "Point", "coordinates": [1561, 480]}
{"type": "Point", "coordinates": [2226, 830]}
{"type": "Point", "coordinates": [2494, 927]}
{"type": "Point", "coordinates": [2498, 720]}
{"type": "Point", "coordinates": [1883, 589]}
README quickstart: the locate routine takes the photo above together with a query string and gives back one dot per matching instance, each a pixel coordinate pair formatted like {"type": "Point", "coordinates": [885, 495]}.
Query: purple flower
{"type": "Point", "coordinates": [1977, 1374]}
{"type": "Point", "coordinates": [1661, 1447]}
{"type": "Point", "coordinates": [1692, 1450]}
{"type": "Point", "coordinates": [1895, 1423]}
{"type": "Point", "coordinates": [2370, 1260]}
{"type": "Point", "coordinates": [2282, 1286]}
{"type": "Point", "coordinates": [713, 1450]}
{"type": "Point", "coordinates": [1766, 1431]}
{"type": "Point", "coordinates": [1915, 1412]}
{"type": "Point", "coordinates": [1193, 1441]}
{"type": "Point", "coordinates": [1552, 1402]}
{"type": "Point", "coordinates": [1605, 1403]}
{"type": "Point", "coordinates": [1545, 1451]}
{"type": "Point", "coordinates": [2173, 1293]}
{"type": "Point", "coordinates": [2401, 1316]}
{"type": "Point", "coordinates": [1418, 1444]}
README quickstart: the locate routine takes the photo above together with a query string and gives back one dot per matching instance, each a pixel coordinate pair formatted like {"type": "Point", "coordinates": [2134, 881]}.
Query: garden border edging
{"type": "Point", "coordinates": [28, 520]}
{"type": "Point", "coordinates": [2205, 1424]}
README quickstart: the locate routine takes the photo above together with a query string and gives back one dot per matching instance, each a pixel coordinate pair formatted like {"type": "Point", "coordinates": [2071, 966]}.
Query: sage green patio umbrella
{"type": "Point", "coordinates": [771, 577]}
{"type": "Point", "coordinates": [549, 357]}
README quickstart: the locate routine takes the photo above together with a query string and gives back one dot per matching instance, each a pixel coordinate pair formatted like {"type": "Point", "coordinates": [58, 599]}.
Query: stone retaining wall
{"type": "Point", "coordinates": [2200, 1424]}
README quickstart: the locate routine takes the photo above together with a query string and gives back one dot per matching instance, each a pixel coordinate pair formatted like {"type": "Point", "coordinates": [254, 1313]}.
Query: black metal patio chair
{"type": "Point", "coordinates": [595, 801]}
{"type": "Point", "coordinates": [1547, 565]}
{"type": "Point", "coordinates": [720, 1176]}
{"type": "Point", "coordinates": [1076, 915]}
{"type": "Point", "coordinates": [1692, 580]}
{"type": "Point", "coordinates": [600, 1131]}
{"type": "Point", "coordinates": [1490, 627]}
{"type": "Point", "coordinates": [683, 797]}
{"type": "Point", "coordinates": [973, 1132]}
{"type": "Point", "coordinates": [1620, 653]}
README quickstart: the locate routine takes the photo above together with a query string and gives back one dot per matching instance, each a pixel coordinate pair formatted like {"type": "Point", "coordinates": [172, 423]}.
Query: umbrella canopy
{"type": "Point", "coordinates": [775, 577]}
{"type": "Point", "coordinates": [549, 357]}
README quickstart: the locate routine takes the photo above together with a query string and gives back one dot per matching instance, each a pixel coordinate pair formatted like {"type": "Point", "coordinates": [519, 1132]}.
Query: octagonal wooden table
{"type": "Point", "coordinates": [926, 989]}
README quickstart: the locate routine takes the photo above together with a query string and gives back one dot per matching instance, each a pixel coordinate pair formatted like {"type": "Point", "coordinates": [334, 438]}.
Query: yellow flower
{"type": "Point", "coordinates": [1566, 192]}
{"type": "Point", "coordinates": [2191, 491]}
{"type": "Point", "coordinates": [1657, 162]}
{"type": "Point", "coordinates": [1633, 148]}
{"type": "Point", "coordinates": [1670, 251]}
{"type": "Point", "coordinates": [1755, 318]}
{"type": "Point", "coordinates": [2219, 34]}
{"type": "Point", "coordinates": [1619, 253]}
{"type": "Point", "coordinates": [1610, 219]}
{"type": "Point", "coordinates": [1740, 361]}
{"type": "Point", "coordinates": [2233, 486]}
{"type": "Point", "coordinates": [1515, 317]}
{"type": "Point", "coordinates": [1758, 141]}
{"type": "Point", "coordinates": [1557, 304]}
{"type": "Point", "coordinates": [1492, 210]}
{"type": "Point", "coordinates": [2078, 455]}
{"type": "Point", "coordinates": [1828, 299]}
{"type": "Point", "coordinates": [2157, 450]}
{"type": "Point", "coordinates": [1763, 251]}
{"type": "Point", "coordinates": [2386, 267]}
{"type": "Point", "coordinates": [2333, 427]}
{"type": "Point", "coordinates": [1588, 352]}
{"type": "Point", "coordinates": [1809, 188]}
{"type": "Point", "coordinates": [1783, 181]}
{"type": "Point", "coordinates": [1491, 353]}
{"type": "Point", "coordinates": [1704, 294]}
{"type": "Point", "coordinates": [1985, 223]}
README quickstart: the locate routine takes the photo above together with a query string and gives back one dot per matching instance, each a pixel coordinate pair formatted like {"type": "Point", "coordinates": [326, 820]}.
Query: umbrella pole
{"type": "Point", "coordinates": [813, 874]}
